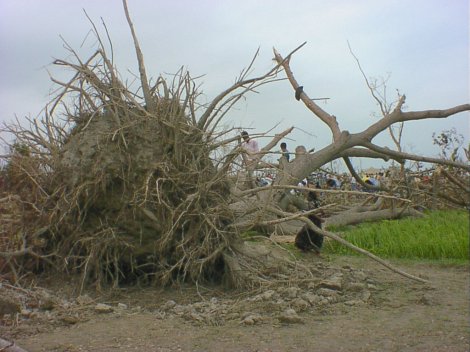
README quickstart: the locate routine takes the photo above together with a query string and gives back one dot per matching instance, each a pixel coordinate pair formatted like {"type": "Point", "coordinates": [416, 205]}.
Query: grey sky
{"type": "Point", "coordinates": [423, 44]}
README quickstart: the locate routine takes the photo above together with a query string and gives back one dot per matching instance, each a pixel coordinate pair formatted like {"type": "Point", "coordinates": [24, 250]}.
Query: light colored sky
{"type": "Point", "coordinates": [422, 44]}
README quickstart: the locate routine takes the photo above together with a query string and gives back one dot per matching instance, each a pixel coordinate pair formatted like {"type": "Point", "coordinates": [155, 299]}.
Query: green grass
{"type": "Point", "coordinates": [250, 235]}
{"type": "Point", "coordinates": [439, 235]}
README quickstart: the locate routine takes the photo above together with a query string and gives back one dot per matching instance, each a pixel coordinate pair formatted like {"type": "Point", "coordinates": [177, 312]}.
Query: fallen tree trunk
{"type": "Point", "coordinates": [353, 217]}
{"type": "Point", "coordinates": [348, 217]}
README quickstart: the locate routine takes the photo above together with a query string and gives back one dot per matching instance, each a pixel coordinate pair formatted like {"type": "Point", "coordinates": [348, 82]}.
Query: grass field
{"type": "Point", "coordinates": [439, 235]}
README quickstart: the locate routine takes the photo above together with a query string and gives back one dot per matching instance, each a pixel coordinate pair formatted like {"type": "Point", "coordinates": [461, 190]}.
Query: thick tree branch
{"type": "Point", "coordinates": [303, 165]}
{"type": "Point", "coordinates": [330, 120]}
{"type": "Point", "coordinates": [345, 243]}
{"type": "Point", "coordinates": [359, 179]}
{"type": "Point", "coordinates": [344, 142]}
{"type": "Point", "coordinates": [332, 191]}
{"type": "Point", "coordinates": [406, 156]}
{"type": "Point", "coordinates": [364, 153]}
{"type": "Point", "coordinates": [432, 114]}
{"type": "Point", "coordinates": [398, 116]}
{"type": "Point", "coordinates": [353, 218]}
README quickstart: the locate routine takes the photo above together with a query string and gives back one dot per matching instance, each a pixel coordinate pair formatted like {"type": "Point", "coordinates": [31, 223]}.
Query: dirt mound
{"type": "Point", "coordinates": [282, 302]}
{"type": "Point", "coordinates": [345, 309]}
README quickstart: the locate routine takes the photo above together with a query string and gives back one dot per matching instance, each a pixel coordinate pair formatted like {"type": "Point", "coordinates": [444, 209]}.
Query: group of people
{"type": "Point", "coordinates": [299, 150]}
{"type": "Point", "coordinates": [306, 239]}
{"type": "Point", "coordinates": [251, 149]}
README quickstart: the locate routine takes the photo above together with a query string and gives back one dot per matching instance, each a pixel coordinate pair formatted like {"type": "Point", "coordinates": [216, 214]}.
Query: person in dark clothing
{"type": "Point", "coordinates": [312, 200]}
{"type": "Point", "coordinates": [284, 151]}
{"type": "Point", "coordinates": [308, 239]}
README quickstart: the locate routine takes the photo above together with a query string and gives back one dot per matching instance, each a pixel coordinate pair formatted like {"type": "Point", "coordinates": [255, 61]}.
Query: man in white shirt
{"type": "Point", "coordinates": [251, 148]}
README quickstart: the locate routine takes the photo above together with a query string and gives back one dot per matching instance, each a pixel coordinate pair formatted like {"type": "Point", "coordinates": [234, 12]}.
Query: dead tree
{"type": "Point", "coordinates": [346, 145]}
{"type": "Point", "coordinates": [126, 186]}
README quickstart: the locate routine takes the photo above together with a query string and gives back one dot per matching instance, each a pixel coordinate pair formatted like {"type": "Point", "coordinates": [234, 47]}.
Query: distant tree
{"type": "Point", "coordinates": [450, 142]}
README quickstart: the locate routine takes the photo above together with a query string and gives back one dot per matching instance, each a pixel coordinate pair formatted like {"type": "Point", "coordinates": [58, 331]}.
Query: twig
{"type": "Point", "coordinates": [140, 58]}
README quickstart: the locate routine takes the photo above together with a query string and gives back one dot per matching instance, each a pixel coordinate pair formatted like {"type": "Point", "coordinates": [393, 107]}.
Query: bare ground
{"type": "Point", "coordinates": [352, 305]}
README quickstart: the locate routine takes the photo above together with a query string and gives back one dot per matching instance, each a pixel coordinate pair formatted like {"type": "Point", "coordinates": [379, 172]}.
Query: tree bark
{"type": "Point", "coordinates": [352, 217]}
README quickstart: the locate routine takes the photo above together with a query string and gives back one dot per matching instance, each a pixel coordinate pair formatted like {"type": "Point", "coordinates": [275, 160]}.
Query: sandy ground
{"type": "Point", "coordinates": [372, 309]}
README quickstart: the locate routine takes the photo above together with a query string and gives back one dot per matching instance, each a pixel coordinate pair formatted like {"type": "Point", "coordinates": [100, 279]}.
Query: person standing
{"type": "Point", "coordinates": [251, 148]}
{"type": "Point", "coordinates": [284, 151]}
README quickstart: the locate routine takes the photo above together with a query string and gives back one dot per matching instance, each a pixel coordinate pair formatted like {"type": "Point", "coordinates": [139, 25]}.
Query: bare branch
{"type": "Point", "coordinates": [359, 193]}
{"type": "Point", "coordinates": [455, 180]}
{"type": "Point", "coordinates": [140, 58]}
{"type": "Point", "coordinates": [351, 246]}
{"type": "Point", "coordinates": [398, 116]}
{"type": "Point", "coordinates": [272, 144]}
{"type": "Point", "coordinates": [246, 82]}
{"type": "Point", "coordinates": [330, 120]}
{"type": "Point", "coordinates": [407, 156]}
{"type": "Point", "coordinates": [372, 90]}
{"type": "Point", "coordinates": [359, 179]}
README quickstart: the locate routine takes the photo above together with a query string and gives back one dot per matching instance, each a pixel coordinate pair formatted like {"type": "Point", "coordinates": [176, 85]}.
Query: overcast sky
{"type": "Point", "coordinates": [423, 45]}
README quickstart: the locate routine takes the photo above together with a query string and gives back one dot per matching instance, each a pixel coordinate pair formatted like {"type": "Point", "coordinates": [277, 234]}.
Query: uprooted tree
{"type": "Point", "coordinates": [119, 184]}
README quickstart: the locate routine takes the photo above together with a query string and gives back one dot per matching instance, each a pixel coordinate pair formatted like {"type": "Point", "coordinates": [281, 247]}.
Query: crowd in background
{"type": "Point", "coordinates": [322, 179]}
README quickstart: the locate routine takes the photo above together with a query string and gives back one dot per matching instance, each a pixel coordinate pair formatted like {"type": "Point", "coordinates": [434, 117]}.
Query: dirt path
{"type": "Point", "coordinates": [376, 310]}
